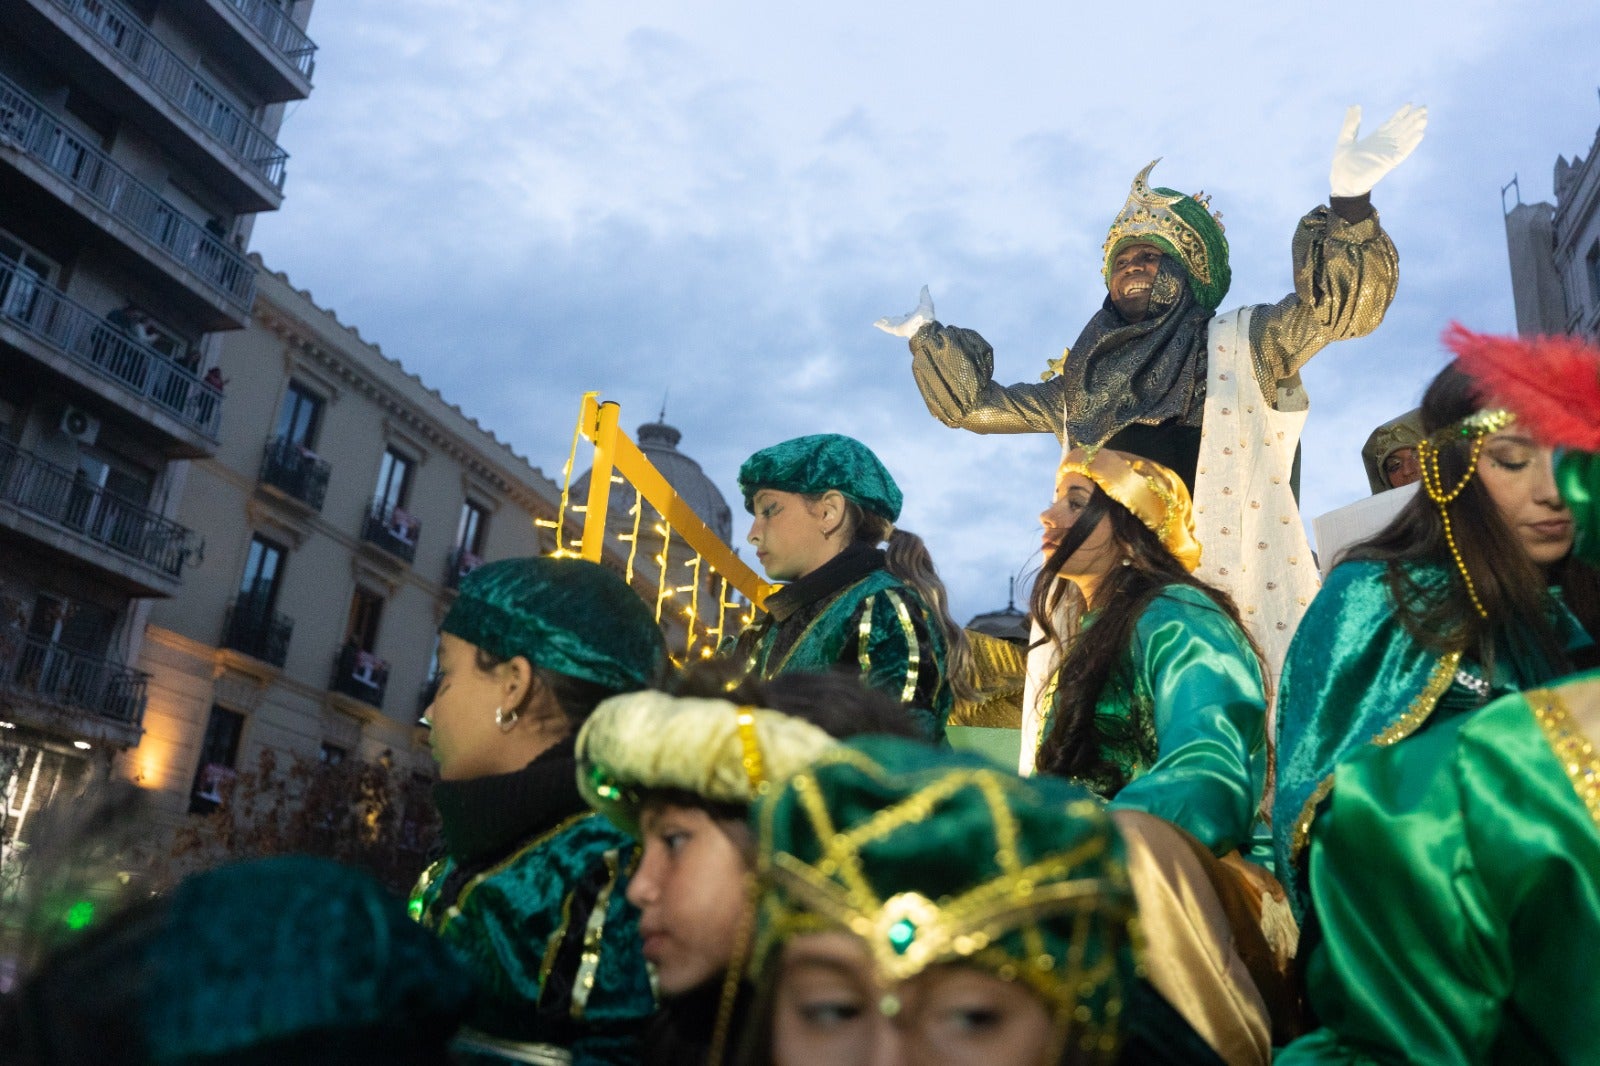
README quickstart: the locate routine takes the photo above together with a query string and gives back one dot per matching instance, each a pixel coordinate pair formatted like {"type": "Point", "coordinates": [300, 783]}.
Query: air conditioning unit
{"type": "Point", "coordinates": [80, 425]}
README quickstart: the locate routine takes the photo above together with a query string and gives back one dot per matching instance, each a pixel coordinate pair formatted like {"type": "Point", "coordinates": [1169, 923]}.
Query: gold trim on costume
{"type": "Point", "coordinates": [593, 933]}
{"type": "Point", "coordinates": [1148, 213]}
{"type": "Point", "coordinates": [1439, 679]}
{"type": "Point", "coordinates": [750, 747]}
{"type": "Point", "coordinates": [453, 911]}
{"type": "Point", "coordinates": [864, 635]}
{"type": "Point", "coordinates": [1155, 495]}
{"type": "Point", "coordinates": [1571, 746]}
{"type": "Point", "coordinates": [913, 650]}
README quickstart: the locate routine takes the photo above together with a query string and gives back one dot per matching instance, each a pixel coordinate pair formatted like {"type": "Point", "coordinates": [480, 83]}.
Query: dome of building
{"type": "Point", "coordinates": [1007, 622]}
{"type": "Point", "coordinates": [659, 442]}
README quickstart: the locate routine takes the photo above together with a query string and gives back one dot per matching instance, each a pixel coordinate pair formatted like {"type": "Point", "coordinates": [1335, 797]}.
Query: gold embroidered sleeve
{"type": "Point", "coordinates": [1345, 276]}
{"type": "Point", "coordinates": [954, 371]}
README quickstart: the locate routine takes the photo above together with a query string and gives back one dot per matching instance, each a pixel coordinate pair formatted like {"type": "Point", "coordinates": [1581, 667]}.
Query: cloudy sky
{"type": "Point", "coordinates": [711, 201]}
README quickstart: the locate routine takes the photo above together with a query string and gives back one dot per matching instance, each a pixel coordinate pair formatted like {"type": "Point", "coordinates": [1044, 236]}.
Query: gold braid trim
{"type": "Point", "coordinates": [913, 649]}
{"type": "Point", "coordinates": [593, 934]}
{"type": "Point", "coordinates": [864, 635]}
{"type": "Point", "coordinates": [750, 748]}
{"type": "Point", "coordinates": [1570, 745]}
{"type": "Point", "coordinates": [1444, 672]}
{"type": "Point", "coordinates": [454, 909]}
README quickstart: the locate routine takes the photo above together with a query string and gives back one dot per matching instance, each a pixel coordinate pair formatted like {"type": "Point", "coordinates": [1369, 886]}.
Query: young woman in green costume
{"type": "Point", "coordinates": [1468, 594]}
{"type": "Point", "coordinates": [1145, 688]}
{"type": "Point", "coordinates": [1487, 827]}
{"type": "Point", "coordinates": [531, 891]}
{"type": "Point", "coordinates": [822, 505]}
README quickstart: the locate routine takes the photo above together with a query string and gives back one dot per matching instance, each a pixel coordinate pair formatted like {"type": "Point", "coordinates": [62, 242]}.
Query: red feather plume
{"type": "Point", "coordinates": [1552, 383]}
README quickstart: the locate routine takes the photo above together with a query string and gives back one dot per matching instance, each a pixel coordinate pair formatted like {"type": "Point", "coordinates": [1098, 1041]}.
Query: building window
{"type": "Point", "coordinates": [394, 480]}
{"type": "Point", "coordinates": [219, 753]}
{"type": "Point", "coordinates": [22, 270]}
{"type": "Point", "coordinates": [332, 755]}
{"type": "Point", "coordinates": [1592, 262]}
{"type": "Point", "coordinates": [263, 576]}
{"type": "Point", "coordinates": [366, 608]}
{"type": "Point", "coordinates": [468, 554]}
{"type": "Point", "coordinates": [300, 416]}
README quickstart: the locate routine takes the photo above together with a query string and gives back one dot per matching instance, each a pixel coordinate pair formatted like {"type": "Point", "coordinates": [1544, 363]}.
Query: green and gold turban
{"type": "Point", "coordinates": [1182, 227]}
{"type": "Point", "coordinates": [933, 856]}
{"type": "Point", "coordinates": [1156, 496]}
{"type": "Point", "coordinates": [719, 751]}
{"type": "Point", "coordinates": [567, 615]}
{"type": "Point", "coordinates": [817, 463]}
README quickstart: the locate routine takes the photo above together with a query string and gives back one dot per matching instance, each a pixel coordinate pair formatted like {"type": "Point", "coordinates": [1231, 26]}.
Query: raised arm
{"type": "Point", "coordinates": [954, 371]}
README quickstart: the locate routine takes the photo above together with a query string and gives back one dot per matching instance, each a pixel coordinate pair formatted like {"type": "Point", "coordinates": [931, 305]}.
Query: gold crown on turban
{"type": "Point", "coordinates": [717, 750]}
{"type": "Point", "coordinates": [1155, 495]}
{"type": "Point", "coordinates": [1158, 216]}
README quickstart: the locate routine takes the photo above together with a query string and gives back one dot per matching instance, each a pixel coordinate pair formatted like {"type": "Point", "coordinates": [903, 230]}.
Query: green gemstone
{"type": "Point", "coordinates": [901, 934]}
{"type": "Point", "coordinates": [80, 914]}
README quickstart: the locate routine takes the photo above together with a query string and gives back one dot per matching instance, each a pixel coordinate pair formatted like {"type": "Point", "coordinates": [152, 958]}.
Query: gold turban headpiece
{"type": "Point", "coordinates": [1183, 227]}
{"type": "Point", "coordinates": [1155, 495]}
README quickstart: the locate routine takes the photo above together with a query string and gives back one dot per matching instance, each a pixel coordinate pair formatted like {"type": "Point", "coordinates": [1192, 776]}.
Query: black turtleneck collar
{"type": "Point", "coordinates": [851, 565]}
{"type": "Point", "coordinates": [485, 817]}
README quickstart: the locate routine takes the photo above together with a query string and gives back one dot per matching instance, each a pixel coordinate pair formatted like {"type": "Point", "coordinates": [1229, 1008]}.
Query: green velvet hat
{"type": "Point", "coordinates": [567, 615]}
{"type": "Point", "coordinates": [1182, 227]}
{"type": "Point", "coordinates": [934, 857]}
{"type": "Point", "coordinates": [820, 462]}
{"type": "Point", "coordinates": [287, 959]}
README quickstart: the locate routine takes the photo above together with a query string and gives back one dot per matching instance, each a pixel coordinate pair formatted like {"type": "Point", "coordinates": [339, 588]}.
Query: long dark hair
{"type": "Point", "coordinates": [1092, 659]}
{"type": "Point", "coordinates": [1511, 586]}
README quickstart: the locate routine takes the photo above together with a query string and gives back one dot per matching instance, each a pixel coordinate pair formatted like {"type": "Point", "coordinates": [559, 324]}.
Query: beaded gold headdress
{"type": "Point", "coordinates": [934, 857]}
{"type": "Point", "coordinates": [1156, 496]}
{"type": "Point", "coordinates": [1182, 226]}
{"type": "Point", "coordinates": [1476, 427]}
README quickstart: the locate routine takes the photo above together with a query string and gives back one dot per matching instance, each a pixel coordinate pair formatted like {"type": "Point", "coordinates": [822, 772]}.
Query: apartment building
{"type": "Point", "coordinates": [1554, 250]}
{"type": "Point", "coordinates": [137, 144]}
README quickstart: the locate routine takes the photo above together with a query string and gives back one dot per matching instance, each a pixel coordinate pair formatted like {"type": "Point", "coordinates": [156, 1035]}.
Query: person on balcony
{"type": "Point", "coordinates": [532, 889]}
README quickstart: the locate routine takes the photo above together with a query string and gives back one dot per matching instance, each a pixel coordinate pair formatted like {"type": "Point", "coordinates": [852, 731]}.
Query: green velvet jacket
{"type": "Point", "coordinates": [1354, 676]}
{"type": "Point", "coordinates": [852, 612]}
{"type": "Point", "coordinates": [542, 923]}
{"type": "Point", "coordinates": [1193, 724]}
{"type": "Point", "coordinates": [1488, 829]}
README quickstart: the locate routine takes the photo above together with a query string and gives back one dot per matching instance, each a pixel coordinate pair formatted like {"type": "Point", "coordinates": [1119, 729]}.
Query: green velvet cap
{"type": "Point", "coordinates": [567, 615]}
{"type": "Point", "coordinates": [287, 959]}
{"type": "Point", "coordinates": [820, 462]}
{"type": "Point", "coordinates": [1197, 222]}
{"type": "Point", "coordinates": [933, 856]}
{"type": "Point", "coordinates": [1578, 478]}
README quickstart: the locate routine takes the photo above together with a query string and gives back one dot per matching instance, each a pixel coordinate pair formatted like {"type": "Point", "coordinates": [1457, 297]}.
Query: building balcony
{"type": "Point", "coordinates": [462, 563]}
{"type": "Point", "coordinates": [107, 51]}
{"type": "Point", "coordinates": [295, 471]}
{"type": "Point", "coordinates": [360, 675]}
{"type": "Point", "coordinates": [71, 339]}
{"type": "Point", "coordinates": [159, 230]}
{"type": "Point", "coordinates": [60, 685]}
{"type": "Point", "coordinates": [69, 513]}
{"type": "Point", "coordinates": [257, 631]}
{"type": "Point", "coordinates": [394, 529]}
{"type": "Point", "coordinates": [259, 42]}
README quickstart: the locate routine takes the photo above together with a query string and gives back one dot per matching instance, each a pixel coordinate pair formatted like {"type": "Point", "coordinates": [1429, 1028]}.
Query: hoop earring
{"type": "Point", "coordinates": [505, 721]}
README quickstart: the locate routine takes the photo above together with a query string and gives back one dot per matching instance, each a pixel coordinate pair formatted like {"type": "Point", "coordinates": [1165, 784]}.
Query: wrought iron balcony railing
{"type": "Point", "coordinates": [184, 87]}
{"type": "Point", "coordinates": [75, 680]}
{"type": "Point", "coordinates": [296, 470]}
{"type": "Point", "coordinates": [278, 29]}
{"type": "Point", "coordinates": [394, 529]}
{"type": "Point", "coordinates": [360, 674]}
{"type": "Point", "coordinates": [65, 498]}
{"type": "Point", "coordinates": [51, 317]}
{"type": "Point", "coordinates": [27, 124]}
{"type": "Point", "coordinates": [256, 630]}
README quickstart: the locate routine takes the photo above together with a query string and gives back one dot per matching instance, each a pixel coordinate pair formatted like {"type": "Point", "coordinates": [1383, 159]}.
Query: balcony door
{"type": "Point", "coordinates": [299, 417]}
{"type": "Point", "coordinates": [394, 481]}
{"type": "Point", "coordinates": [261, 580]}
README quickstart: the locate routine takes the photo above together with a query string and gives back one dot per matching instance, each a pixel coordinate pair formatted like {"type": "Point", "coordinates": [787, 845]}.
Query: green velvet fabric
{"type": "Point", "coordinates": [1456, 879]}
{"type": "Point", "coordinates": [567, 615]}
{"type": "Point", "coordinates": [526, 928]}
{"type": "Point", "coordinates": [1195, 722]}
{"type": "Point", "coordinates": [880, 816]}
{"type": "Point", "coordinates": [1199, 217]}
{"type": "Point", "coordinates": [881, 628]}
{"type": "Point", "coordinates": [1578, 477]}
{"type": "Point", "coordinates": [1351, 673]}
{"type": "Point", "coordinates": [820, 462]}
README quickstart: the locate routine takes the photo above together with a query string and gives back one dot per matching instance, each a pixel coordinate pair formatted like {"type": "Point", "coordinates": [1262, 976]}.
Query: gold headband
{"type": "Point", "coordinates": [1155, 495]}
{"type": "Point", "coordinates": [1476, 426]}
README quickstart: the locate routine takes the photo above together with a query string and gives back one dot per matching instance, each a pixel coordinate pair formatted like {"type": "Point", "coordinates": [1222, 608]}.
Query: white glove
{"type": "Point", "coordinates": [906, 325]}
{"type": "Point", "coordinates": [1359, 165]}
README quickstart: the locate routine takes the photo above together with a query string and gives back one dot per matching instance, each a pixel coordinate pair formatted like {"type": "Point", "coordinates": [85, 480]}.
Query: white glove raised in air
{"type": "Point", "coordinates": [906, 325]}
{"type": "Point", "coordinates": [1358, 165]}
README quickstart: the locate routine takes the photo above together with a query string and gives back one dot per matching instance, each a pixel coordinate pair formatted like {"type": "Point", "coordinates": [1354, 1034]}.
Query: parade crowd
{"type": "Point", "coordinates": [1257, 814]}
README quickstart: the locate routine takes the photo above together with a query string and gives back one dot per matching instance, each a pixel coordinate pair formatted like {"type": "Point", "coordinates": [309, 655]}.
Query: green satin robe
{"type": "Point", "coordinates": [882, 628]}
{"type": "Point", "coordinates": [1456, 879]}
{"type": "Point", "coordinates": [1197, 715]}
{"type": "Point", "coordinates": [1354, 677]}
{"type": "Point", "coordinates": [554, 946]}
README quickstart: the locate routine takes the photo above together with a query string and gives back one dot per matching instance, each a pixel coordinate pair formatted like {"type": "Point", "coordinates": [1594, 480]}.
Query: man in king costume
{"type": "Point", "coordinates": [1215, 397]}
